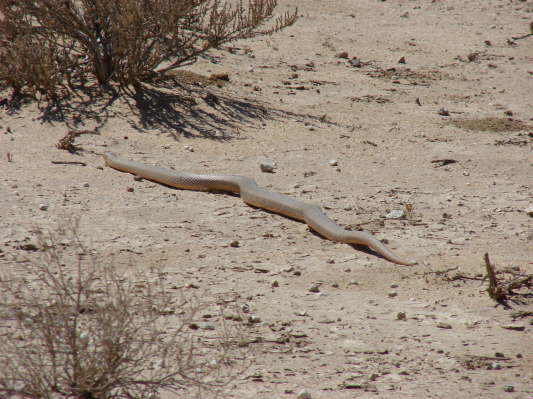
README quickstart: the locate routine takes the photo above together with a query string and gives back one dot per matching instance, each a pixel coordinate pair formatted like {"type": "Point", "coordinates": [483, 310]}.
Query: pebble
{"type": "Point", "coordinates": [444, 112]}
{"type": "Point", "coordinates": [43, 207]}
{"type": "Point", "coordinates": [303, 394]}
{"type": "Point", "coordinates": [457, 241]}
{"type": "Point", "coordinates": [342, 54]}
{"type": "Point", "coordinates": [355, 63]}
{"type": "Point", "coordinates": [401, 316]}
{"type": "Point", "coordinates": [234, 244]}
{"type": "Point", "coordinates": [395, 214]}
{"type": "Point", "coordinates": [514, 327]}
{"type": "Point", "coordinates": [314, 288]}
{"type": "Point", "coordinates": [188, 148]}
{"type": "Point", "coordinates": [529, 210]}
{"type": "Point", "coordinates": [437, 227]}
{"type": "Point", "coordinates": [392, 294]}
{"type": "Point", "coordinates": [267, 166]}
{"type": "Point", "coordinates": [333, 162]}
{"type": "Point", "coordinates": [508, 388]}
{"type": "Point", "coordinates": [444, 326]}
{"type": "Point", "coordinates": [275, 284]}
{"type": "Point", "coordinates": [86, 184]}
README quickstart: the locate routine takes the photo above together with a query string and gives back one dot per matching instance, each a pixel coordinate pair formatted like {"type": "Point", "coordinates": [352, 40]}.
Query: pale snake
{"type": "Point", "coordinates": [258, 197]}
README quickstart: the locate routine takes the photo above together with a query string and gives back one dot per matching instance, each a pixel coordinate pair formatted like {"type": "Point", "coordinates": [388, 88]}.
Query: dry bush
{"type": "Point", "coordinates": [83, 331]}
{"type": "Point", "coordinates": [51, 47]}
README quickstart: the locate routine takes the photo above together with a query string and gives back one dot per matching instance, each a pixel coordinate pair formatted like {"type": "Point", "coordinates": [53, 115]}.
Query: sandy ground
{"type": "Point", "coordinates": [428, 111]}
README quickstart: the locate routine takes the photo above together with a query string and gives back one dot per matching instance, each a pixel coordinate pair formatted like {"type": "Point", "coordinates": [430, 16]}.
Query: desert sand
{"type": "Point", "coordinates": [366, 107]}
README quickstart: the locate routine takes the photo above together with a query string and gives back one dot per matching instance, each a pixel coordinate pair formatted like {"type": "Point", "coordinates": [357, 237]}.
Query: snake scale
{"type": "Point", "coordinates": [258, 197]}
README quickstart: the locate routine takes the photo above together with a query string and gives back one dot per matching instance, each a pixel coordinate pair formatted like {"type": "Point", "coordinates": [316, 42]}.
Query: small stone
{"type": "Point", "coordinates": [314, 288]}
{"type": "Point", "coordinates": [342, 54]}
{"type": "Point", "coordinates": [267, 166]}
{"type": "Point", "coordinates": [86, 184]}
{"type": "Point", "coordinates": [43, 207]}
{"type": "Point", "coordinates": [355, 63]}
{"type": "Point", "coordinates": [219, 76]}
{"type": "Point", "coordinates": [333, 162]}
{"type": "Point", "coordinates": [254, 319]}
{"type": "Point", "coordinates": [457, 241]}
{"type": "Point", "coordinates": [234, 244]}
{"type": "Point", "coordinates": [444, 326]}
{"type": "Point", "coordinates": [401, 316]}
{"type": "Point", "coordinates": [188, 148]}
{"type": "Point", "coordinates": [303, 394]}
{"type": "Point", "coordinates": [529, 210]}
{"type": "Point", "coordinates": [130, 190]}
{"type": "Point", "coordinates": [508, 388]}
{"type": "Point", "coordinates": [514, 327]}
{"type": "Point", "coordinates": [444, 112]}
{"type": "Point", "coordinates": [274, 284]}
{"type": "Point", "coordinates": [401, 60]}
{"type": "Point", "coordinates": [395, 214]}
{"type": "Point", "coordinates": [437, 227]}
{"type": "Point", "coordinates": [392, 294]}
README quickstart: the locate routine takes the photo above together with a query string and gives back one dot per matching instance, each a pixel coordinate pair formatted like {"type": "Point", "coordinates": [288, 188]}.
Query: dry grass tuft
{"type": "Point", "coordinates": [72, 327]}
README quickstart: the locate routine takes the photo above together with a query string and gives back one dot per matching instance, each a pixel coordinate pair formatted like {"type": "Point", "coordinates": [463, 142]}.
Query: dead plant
{"type": "Point", "coordinates": [51, 47]}
{"type": "Point", "coordinates": [74, 328]}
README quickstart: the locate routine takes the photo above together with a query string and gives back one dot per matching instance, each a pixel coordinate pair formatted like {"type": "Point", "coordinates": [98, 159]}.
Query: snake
{"type": "Point", "coordinates": [258, 197]}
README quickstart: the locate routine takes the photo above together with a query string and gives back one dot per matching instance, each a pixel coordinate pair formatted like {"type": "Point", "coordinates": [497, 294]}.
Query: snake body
{"type": "Point", "coordinates": [258, 197]}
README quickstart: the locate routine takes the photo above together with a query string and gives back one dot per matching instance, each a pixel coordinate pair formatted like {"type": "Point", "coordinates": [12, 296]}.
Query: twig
{"type": "Point", "coordinates": [67, 142]}
{"type": "Point", "coordinates": [441, 272]}
{"type": "Point", "coordinates": [69, 163]}
{"type": "Point", "coordinates": [494, 290]}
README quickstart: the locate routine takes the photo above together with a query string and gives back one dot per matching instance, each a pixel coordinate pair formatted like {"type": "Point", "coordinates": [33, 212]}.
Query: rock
{"type": "Point", "coordinates": [514, 327]}
{"type": "Point", "coordinates": [85, 184]}
{"type": "Point", "coordinates": [188, 148]}
{"type": "Point", "coordinates": [401, 316]}
{"type": "Point", "coordinates": [267, 166]}
{"type": "Point", "coordinates": [395, 214]}
{"type": "Point", "coordinates": [234, 244]}
{"type": "Point", "coordinates": [392, 294]}
{"type": "Point", "coordinates": [437, 227]}
{"type": "Point", "coordinates": [355, 63]}
{"type": "Point", "coordinates": [342, 54]}
{"type": "Point", "coordinates": [443, 112]}
{"type": "Point", "coordinates": [43, 207]}
{"type": "Point", "coordinates": [303, 394]}
{"type": "Point", "coordinates": [508, 388]}
{"type": "Point", "coordinates": [219, 76]}
{"type": "Point", "coordinates": [333, 162]}
{"type": "Point", "coordinates": [457, 241]}
{"type": "Point", "coordinates": [314, 288]}
{"type": "Point", "coordinates": [401, 60]}
{"type": "Point", "coordinates": [529, 210]}
{"type": "Point", "coordinates": [444, 326]}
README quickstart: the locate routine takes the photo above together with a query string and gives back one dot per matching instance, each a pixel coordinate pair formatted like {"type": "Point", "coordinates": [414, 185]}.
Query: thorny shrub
{"type": "Point", "coordinates": [73, 328]}
{"type": "Point", "coordinates": [53, 47]}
